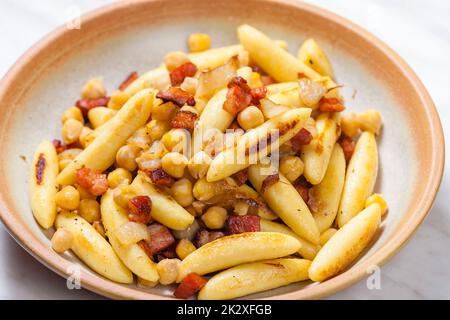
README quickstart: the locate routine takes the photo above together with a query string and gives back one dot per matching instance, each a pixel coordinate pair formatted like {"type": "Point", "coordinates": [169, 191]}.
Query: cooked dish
{"type": "Point", "coordinates": [225, 172]}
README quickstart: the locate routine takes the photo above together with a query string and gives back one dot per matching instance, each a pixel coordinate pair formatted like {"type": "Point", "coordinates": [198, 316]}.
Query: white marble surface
{"type": "Point", "coordinates": [418, 30]}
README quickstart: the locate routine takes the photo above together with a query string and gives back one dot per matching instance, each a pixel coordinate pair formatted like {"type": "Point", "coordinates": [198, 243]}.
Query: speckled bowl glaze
{"type": "Point", "coordinates": [135, 35]}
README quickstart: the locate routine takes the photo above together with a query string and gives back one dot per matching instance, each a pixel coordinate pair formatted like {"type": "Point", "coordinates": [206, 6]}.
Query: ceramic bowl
{"type": "Point", "coordinates": [128, 36]}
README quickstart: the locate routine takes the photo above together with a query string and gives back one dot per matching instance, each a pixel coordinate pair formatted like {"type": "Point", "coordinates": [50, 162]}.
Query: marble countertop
{"type": "Point", "coordinates": [420, 34]}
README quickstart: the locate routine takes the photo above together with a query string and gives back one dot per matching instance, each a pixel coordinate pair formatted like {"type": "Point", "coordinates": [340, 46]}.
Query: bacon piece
{"type": "Point", "coordinates": [303, 191]}
{"type": "Point", "coordinates": [268, 181]}
{"type": "Point", "coordinates": [240, 224]}
{"type": "Point", "coordinates": [235, 126]}
{"type": "Point", "coordinates": [241, 177]}
{"type": "Point", "coordinates": [87, 104]}
{"type": "Point", "coordinates": [40, 168]}
{"type": "Point", "coordinates": [92, 180]}
{"type": "Point", "coordinates": [267, 80]}
{"type": "Point", "coordinates": [202, 237]}
{"type": "Point", "coordinates": [129, 80]}
{"type": "Point", "coordinates": [177, 96]}
{"type": "Point", "coordinates": [348, 146]}
{"type": "Point", "coordinates": [331, 105]}
{"type": "Point", "coordinates": [160, 239]}
{"type": "Point", "coordinates": [190, 285]}
{"type": "Point", "coordinates": [169, 253]}
{"type": "Point", "coordinates": [59, 146]}
{"type": "Point", "coordinates": [302, 138]}
{"type": "Point", "coordinates": [140, 208]}
{"type": "Point", "coordinates": [161, 178]}
{"type": "Point", "coordinates": [184, 120]}
{"type": "Point", "coordinates": [239, 96]}
{"type": "Point", "coordinates": [178, 74]}
{"type": "Point", "coordinates": [258, 94]}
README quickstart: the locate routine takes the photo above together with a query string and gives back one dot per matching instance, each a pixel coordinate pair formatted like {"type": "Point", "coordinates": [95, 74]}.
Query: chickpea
{"type": "Point", "coordinates": [190, 85]}
{"type": "Point", "coordinates": [93, 89]}
{"type": "Point", "coordinates": [291, 167]}
{"type": "Point", "coordinates": [87, 136]}
{"type": "Point", "coordinates": [98, 226]}
{"type": "Point", "coordinates": [126, 158]}
{"type": "Point", "coordinates": [176, 140]}
{"type": "Point", "coordinates": [174, 164]}
{"type": "Point", "coordinates": [199, 207]}
{"type": "Point", "coordinates": [143, 283]}
{"type": "Point", "coordinates": [378, 198]}
{"type": "Point", "coordinates": [89, 210]}
{"type": "Point", "coordinates": [71, 131]}
{"type": "Point", "coordinates": [72, 113]}
{"type": "Point", "coordinates": [199, 42]}
{"type": "Point", "coordinates": [215, 217]}
{"type": "Point", "coordinates": [62, 240]}
{"type": "Point", "coordinates": [85, 194]}
{"type": "Point", "coordinates": [241, 208]}
{"type": "Point", "coordinates": [350, 124]}
{"type": "Point", "coordinates": [184, 248]}
{"type": "Point", "coordinates": [203, 190]}
{"type": "Point", "coordinates": [326, 235]}
{"type": "Point", "coordinates": [119, 176]}
{"type": "Point", "coordinates": [118, 99]}
{"type": "Point", "coordinates": [66, 157]}
{"type": "Point", "coordinates": [100, 115]}
{"type": "Point", "coordinates": [164, 111]}
{"type": "Point", "coordinates": [156, 129]}
{"type": "Point", "coordinates": [68, 198]}
{"type": "Point", "coordinates": [199, 164]}
{"type": "Point", "coordinates": [123, 194]}
{"type": "Point", "coordinates": [182, 192]}
{"type": "Point", "coordinates": [250, 117]}
{"type": "Point", "coordinates": [370, 120]}
{"type": "Point", "coordinates": [168, 270]}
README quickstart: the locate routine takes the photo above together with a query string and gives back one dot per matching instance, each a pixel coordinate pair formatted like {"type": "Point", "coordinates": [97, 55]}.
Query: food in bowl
{"type": "Point", "coordinates": [234, 162]}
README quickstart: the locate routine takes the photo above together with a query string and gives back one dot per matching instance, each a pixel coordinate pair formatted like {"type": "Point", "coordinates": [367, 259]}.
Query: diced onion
{"type": "Point", "coordinates": [311, 92]}
{"type": "Point", "coordinates": [271, 109]}
{"type": "Point", "coordinates": [131, 232]}
{"type": "Point", "coordinates": [217, 78]}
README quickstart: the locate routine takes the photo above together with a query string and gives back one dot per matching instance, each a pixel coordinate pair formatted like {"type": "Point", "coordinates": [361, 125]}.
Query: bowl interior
{"type": "Point", "coordinates": [112, 47]}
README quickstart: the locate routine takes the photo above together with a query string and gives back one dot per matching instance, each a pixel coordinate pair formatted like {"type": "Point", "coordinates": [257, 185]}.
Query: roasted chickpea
{"type": "Point", "coordinates": [85, 194]}
{"type": "Point", "coordinates": [93, 89]}
{"type": "Point", "coordinates": [199, 42]}
{"type": "Point", "coordinates": [182, 192]}
{"type": "Point", "coordinates": [168, 270]}
{"type": "Point", "coordinates": [175, 59]}
{"type": "Point", "coordinates": [156, 129]}
{"type": "Point", "coordinates": [350, 124]}
{"type": "Point", "coordinates": [215, 217]}
{"type": "Point", "coordinates": [174, 164]}
{"type": "Point", "coordinates": [123, 194]}
{"type": "Point", "coordinates": [62, 240]}
{"type": "Point", "coordinates": [184, 248]}
{"type": "Point", "coordinates": [87, 136]}
{"type": "Point", "coordinates": [68, 198]}
{"type": "Point", "coordinates": [90, 210]}
{"type": "Point", "coordinates": [203, 190]}
{"type": "Point", "coordinates": [241, 208]}
{"type": "Point", "coordinates": [291, 167]}
{"type": "Point", "coordinates": [370, 120]}
{"type": "Point", "coordinates": [72, 113]}
{"type": "Point", "coordinates": [119, 176]}
{"type": "Point", "coordinates": [199, 164]}
{"type": "Point", "coordinates": [71, 131]}
{"type": "Point", "coordinates": [251, 117]}
{"type": "Point", "coordinates": [126, 158]}
{"type": "Point", "coordinates": [100, 115]}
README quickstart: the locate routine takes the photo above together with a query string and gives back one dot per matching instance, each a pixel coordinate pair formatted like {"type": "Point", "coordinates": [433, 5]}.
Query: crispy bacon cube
{"type": "Point", "coordinates": [268, 181]}
{"type": "Point", "coordinates": [177, 96]}
{"type": "Point", "coordinates": [302, 138]}
{"type": "Point", "coordinates": [303, 190]}
{"type": "Point", "coordinates": [161, 178]}
{"type": "Point", "coordinates": [59, 146]}
{"type": "Point", "coordinates": [178, 74]}
{"type": "Point", "coordinates": [140, 208]}
{"type": "Point", "coordinates": [258, 94]}
{"type": "Point", "coordinates": [241, 177]}
{"type": "Point", "coordinates": [204, 236]}
{"type": "Point", "coordinates": [190, 285]}
{"type": "Point", "coordinates": [129, 80]}
{"type": "Point", "coordinates": [184, 120]}
{"type": "Point", "coordinates": [348, 146]}
{"type": "Point", "coordinates": [331, 105]}
{"type": "Point", "coordinates": [160, 239]}
{"type": "Point", "coordinates": [241, 224]}
{"type": "Point", "coordinates": [92, 180]}
{"type": "Point", "coordinates": [87, 104]}
{"type": "Point", "coordinates": [239, 96]}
